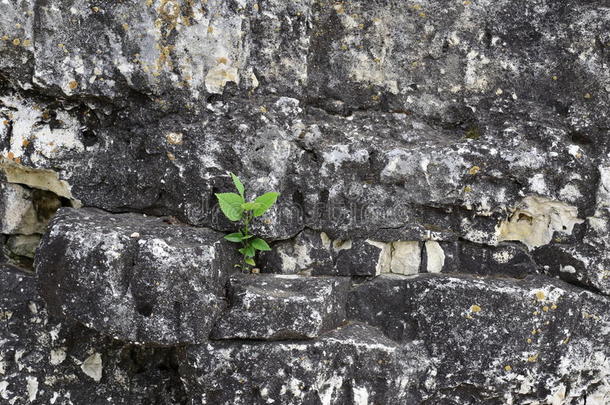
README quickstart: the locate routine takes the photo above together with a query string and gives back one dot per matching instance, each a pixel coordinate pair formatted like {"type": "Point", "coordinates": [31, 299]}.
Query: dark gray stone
{"type": "Point", "coordinates": [510, 260]}
{"type": "Point", "coordinates": [134, 278]}
{"type": "Point", "coordinates": [274, 307]}
{"type": "Point", "coordinates": [496, 340]}
{"type": "Point", "coordinates": [351, 365]}
{"type": "Point", "coordinates": [46, 360]}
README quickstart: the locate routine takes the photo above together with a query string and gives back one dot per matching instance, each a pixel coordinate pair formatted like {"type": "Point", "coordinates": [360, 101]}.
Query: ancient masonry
{"type": "Point", "coordinates": [442, 235]}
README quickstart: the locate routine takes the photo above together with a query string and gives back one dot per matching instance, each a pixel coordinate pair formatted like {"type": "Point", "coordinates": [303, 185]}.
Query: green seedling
{"type": "Point", "coordinates": [235, 207]}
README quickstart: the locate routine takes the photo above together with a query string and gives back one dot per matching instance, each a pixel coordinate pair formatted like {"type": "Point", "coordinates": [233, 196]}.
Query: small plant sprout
{"type": "Point", "coordinates": [236, 209]}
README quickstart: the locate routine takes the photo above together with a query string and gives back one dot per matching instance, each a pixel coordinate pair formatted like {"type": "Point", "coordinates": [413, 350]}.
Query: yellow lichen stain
{"type": "Point", "coordinates": [375, 97]}
{"type": "Point", "coordinates": [529, 340]}
{"type": "Point", "coordinates": [533, 359]}
{"type": "Point", "coordinates": [171, 156]}
{"type": "Point", "coordinates": [263, 109]}
{"type": "Point", "coordinates": [95, 9]}
{"type": "Point", "coordinates": [467, 189]}
{"type": "Point", "coordinates": [422, 14]}
{"type": "Point", "coordinates": [536, 313]}
{"type": "Point", "coordinates": [565, 341]}
{"type": "Point", "coordinates": [467, 3]}
{"type": "Point", "coordinates": [72, 84]}
{"type": "Point", "coordinates": [545, 308]}
{"type": "Point", "coordinates": [27, 42]}
{"type": "Point", "coordinates": [540, 295]}
{"type": "Point", "coordinates": [210, 29]}
{"type": "Point", "coordinates": [16, 41]}
{"type": "Point", "coordinates": [474, 170]}
{"type": "Point", "coordinates": [339, 8]}
{"type": "Point", "coordinates": [5, 38]}
{"type": "Point", "coordinates": [149, 3]}
{"type": "Point", "coordinates": [475, 308]}
{"type": "Point", "coordinates": [553, 306]}
{"type": "Point", "coordinates": [222, 60]}
{"type": "Point", "coordinates": [534, 331]}
{"type": "Point", "coordinates": [508, 368]}
{"type": "Point", "coordinates": [125, 26]}
{"type": "Point", "coordinates": [164, 57]}
{"type": "Point", "coordinates": [587, 96]}
{"type": "Point", "coordinates": [344, 47]}
{"type": "Point", "coordinates": [554, 77]}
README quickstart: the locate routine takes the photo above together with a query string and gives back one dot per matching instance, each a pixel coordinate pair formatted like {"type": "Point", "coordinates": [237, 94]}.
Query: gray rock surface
{"type": "Point", "coordinates": [354, 364]}
{"type": "Point", "coordinates": [274, 307]}
{"type": "Point", "coordinates": [134, 278]}
{"type": "Point", "coordinates": [496, 340]}
{"type": "Point", "coordinates": [46, 360]}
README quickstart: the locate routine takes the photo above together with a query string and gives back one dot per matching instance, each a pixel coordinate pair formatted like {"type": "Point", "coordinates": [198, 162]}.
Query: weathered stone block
{"type": "Point", "coordinates": [275, 307]}
{"type": "Point", "coordinates": [134, 278]}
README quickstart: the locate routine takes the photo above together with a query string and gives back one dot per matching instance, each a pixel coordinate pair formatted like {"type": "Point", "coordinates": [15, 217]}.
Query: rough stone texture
{"type": "Point", "coordinates": [45, 360]}
{"type": "Point", "coordinates": [354, 364]}
{"type": "Point", "coordinates": [404, 137]}
{"type": "Point", "coordinates": [275, 307]}
{"type": "Point", "coordinates": [496, 340]}
{"type": "Point", "coordinates": [134, 278]}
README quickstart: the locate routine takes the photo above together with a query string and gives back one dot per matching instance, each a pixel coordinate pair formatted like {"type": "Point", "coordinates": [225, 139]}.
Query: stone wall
{"type": "Point", "coordinates": [443, 230]}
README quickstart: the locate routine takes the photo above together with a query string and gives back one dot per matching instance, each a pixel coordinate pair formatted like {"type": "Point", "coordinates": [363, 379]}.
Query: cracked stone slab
{"type": "Point", "coordinates": [354, 364]}
{"type": "Point", "coordinates": [274, 307]}
{"type": "Point", "coordinates": [507, 340]}
{"type": "Point", "coordinates": [132, 277]}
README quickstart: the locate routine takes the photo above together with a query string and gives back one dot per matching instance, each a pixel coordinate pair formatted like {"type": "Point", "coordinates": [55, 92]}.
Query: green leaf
{"type": "Point", "coordinates": [238, 184]}
{"type": "Point", "coordinates": [260, 244]}
{"type": "Point", "coordinates": [249, 251]}
{"type": "Point", "coordinates": [230, 204]}
{"type": "Point", "coordinates": [266, 201]}
{"type": "Point", "coordinates": [250, 206]}
{"type": "Point", "coordinates": [250, 261]}
{"type": "Point", "coordinates": [234, 237]}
